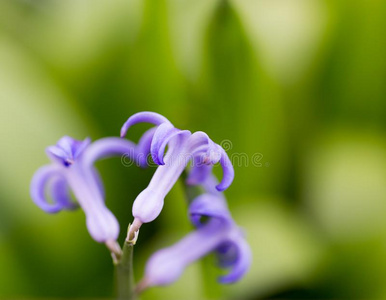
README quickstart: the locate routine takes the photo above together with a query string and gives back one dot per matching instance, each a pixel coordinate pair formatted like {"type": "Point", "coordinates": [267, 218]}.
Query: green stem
{"type": "Point", "coordinates": [209, 273]}
{"type": "Point", "coordinates": [124, 273]}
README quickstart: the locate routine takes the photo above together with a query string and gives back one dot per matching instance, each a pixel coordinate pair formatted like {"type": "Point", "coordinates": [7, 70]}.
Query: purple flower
{"type": "Point", "coordinates": [216, 231]}
{"type": "Point", "coordinates": [183, 146]}
{"type": "Point", "coordinates": [72, 169]}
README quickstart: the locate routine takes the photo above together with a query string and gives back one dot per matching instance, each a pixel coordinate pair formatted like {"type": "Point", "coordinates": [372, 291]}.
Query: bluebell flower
{"type": "Point", "coordinates": [183, 147]}
{"type": "Point", "coordinates": [216, 231]}
{"type": "Point", "coordinates": [72, 169]}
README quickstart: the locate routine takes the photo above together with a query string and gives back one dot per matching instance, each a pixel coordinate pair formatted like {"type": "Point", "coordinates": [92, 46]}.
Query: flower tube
{"type": "Point", "coordinates": [219, 234]}
{"type": "Point", "coordinates": [72, 168]}
{"type": "Point", "coordinates": [183, 147]}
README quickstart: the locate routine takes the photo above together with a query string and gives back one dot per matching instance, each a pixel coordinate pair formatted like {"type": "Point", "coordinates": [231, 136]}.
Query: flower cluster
{"type": "Point", "coordinates": [72, 169]}
{"type": "Point", "coordinates": [215, 231]}
{"type": "Point", "coordinates": [183, 146]}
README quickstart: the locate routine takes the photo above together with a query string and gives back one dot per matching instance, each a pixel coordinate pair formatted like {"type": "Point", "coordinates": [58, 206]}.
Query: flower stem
{"type": "Point", "coordinates": [209, 273]}
{"type": "Point", "coordinates": [124, 273]}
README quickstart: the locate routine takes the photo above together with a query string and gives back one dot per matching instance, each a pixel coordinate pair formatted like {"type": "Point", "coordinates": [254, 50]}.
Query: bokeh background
{"type": "Point", "coordinates": [296, 91]}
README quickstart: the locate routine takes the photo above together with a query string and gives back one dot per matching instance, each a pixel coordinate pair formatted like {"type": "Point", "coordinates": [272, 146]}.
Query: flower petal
{"type": "Point", "coordinates": [68, 144]}
{"type": "Point", "coordinates": [228, 172]}
{"type": "Point", "coordinates": [81, 146]}
{"type": "Point", "coordinates": [143, 117]}
{"type": "Point", "coordinates": [164, 133]}
{"type": "Point", "coordinates": [200, 143]}
{"type": "Point", "coordinates": [67, 150]}
{"type": "Point", "coordinates": [101, 223]}
{"type": "Point", "coordinates": [166, 265]}
{"type": "Point", "coordinates": [99, 182]}
{"type": "Point", "coordinates": [61, 194]}
{"type": "Point", "coordinates": [212, 206]}
{"type": "Point", "coordinates": [144, 145]}
{"type": "Point", "coordinates": [38, 186]}
{"type": "Point", "coordinates": [199, 172]}
{"type": "Point", "coordinates": [211, 153]}
{"type": "Point", "coordinates": [239, 261]}
{"type": "Point", "coordinates": [56, 152]}
{"type": "Point", "coordinates": [108, 147]}
{"type": "Point", "coordinates": [148, 204]}
{"type": "Point", "coordinates": [227, 254]}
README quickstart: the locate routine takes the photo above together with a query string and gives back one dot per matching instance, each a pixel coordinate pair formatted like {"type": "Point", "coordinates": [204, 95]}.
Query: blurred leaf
{"type": "Point", "coordinates": [285, 249]}
{"type": "Point", "coordinates": [346, 183]}
{"type": "Point", "coordinates": [286, 34]}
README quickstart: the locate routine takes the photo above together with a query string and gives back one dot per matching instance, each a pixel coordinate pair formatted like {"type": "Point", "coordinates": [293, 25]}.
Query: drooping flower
{"type": "Point", "coordinates": [183, 146]}
{"type": "Point", "coordinates": [72, 168]}
{"type": "Point", "coordinates": [216, 231]}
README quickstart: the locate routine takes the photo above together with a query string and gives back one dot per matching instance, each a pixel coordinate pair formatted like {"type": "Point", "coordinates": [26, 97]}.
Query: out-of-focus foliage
{"type": "Point", "coordinates": [295, 90]}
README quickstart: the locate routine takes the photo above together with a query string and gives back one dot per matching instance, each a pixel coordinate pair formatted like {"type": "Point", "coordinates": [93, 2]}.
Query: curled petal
{"type": "Point", "coordinates": [227, 254]}
{"type": "Point", "coordinates": [38, 187]}
{"type": "Point", "coordinates": [210, 153]}
{"type": "Point", "coordinates": [238, 257]}
{"type": "Point", "coordinates": [143, 147]}
{"type": "Point", "coordinates": [212, 206]}
{"type": "Point", "coordinates": [107, 147]}
{"type": "Point", "coordinates": [61, 193]}
{"type": "Point", "coordinates": [201, 144]}
{"type": "Point", "coordinates": [165, 266]}
{"type": "Point", "coordinates": [228, 172]}
{"type": "Point", "coordinates": [143, 117]}
{"type": "Point", "coordinates": [164, 133]}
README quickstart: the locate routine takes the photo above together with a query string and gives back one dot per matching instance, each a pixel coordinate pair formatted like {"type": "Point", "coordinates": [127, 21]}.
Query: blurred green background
{"type": "Point", "coordinates": [295, 89]}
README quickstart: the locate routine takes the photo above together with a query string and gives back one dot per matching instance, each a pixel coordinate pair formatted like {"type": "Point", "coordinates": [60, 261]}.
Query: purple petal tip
{"type": "Point", "coordinates": [220, 188]}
